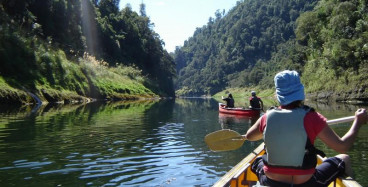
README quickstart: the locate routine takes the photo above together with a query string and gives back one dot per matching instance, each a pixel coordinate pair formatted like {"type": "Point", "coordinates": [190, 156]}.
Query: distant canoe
{"type": "Point", "coordinates": [238, 111]}
{"type": "Point", "coordinates": [241, 175]}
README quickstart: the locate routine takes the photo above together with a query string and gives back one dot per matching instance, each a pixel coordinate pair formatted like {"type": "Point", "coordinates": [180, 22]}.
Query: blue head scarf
{"type": "Point", "coordinates": [288, 87]}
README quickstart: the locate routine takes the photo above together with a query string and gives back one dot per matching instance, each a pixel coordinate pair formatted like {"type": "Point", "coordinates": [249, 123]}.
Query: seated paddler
{"type": "Point", "coordinates": [289, 132]}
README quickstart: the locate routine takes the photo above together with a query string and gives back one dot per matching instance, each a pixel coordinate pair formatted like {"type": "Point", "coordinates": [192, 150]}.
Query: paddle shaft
{"type": "Point", "coordinates": [341, 120]}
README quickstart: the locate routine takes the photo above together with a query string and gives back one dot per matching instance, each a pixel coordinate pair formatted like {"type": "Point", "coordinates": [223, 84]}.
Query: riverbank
{"type": "Point", "coordinates": [55, 78]}
{"type": "Point", "coordinates": [21, 97]}
{"type": "Point", "coordinates": [112, 84]}
{"type": "Point", "coordinates": [9, 95]}
{"type": "Point", "coordinates": [349, 96]}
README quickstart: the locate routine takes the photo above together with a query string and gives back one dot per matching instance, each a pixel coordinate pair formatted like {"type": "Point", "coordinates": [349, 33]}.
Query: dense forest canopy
{"type": "Point", "coordinates": [224, 53]}
{"type": "Point", "coordinates": [76, 27]}
{"type": "Point", "coordinates": [326, 41]}
{"type": "Point", "coordinates": [335, 36]}
{"type": "Point", "coordinates": [54, 43]}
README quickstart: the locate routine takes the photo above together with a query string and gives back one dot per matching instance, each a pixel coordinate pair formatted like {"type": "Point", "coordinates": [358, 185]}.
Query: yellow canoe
{"type": "Point", "coordinates": [241, 175]}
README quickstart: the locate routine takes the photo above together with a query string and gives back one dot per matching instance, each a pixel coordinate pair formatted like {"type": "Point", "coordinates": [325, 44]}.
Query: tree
{"type": "Point", "coordinates": [233, 43]}
{"type": "Point", "coordinates": [142, 9]}
{"type": "Point", "coordinates": [108, 7]}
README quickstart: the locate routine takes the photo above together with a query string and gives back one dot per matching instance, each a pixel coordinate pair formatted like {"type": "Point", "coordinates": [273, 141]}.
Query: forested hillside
{"type": "Point", "coordinates": [224, 53]}
{"type": "Point", "coordinates": [335, 40]}
{"type": "Point", "coordinates": [326, 41]}
{"type": "Point", "coordinates": [87, 48]}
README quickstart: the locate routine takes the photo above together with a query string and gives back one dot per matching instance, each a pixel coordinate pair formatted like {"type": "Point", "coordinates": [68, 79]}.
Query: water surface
{"type": "Point", "coordinates": [142, 143]}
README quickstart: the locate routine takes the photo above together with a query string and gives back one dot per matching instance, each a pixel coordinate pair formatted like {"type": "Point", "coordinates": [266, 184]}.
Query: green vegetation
{"type": "Point", "coordinates": [117, 82]}
{"type": "Point", "coordinates": [73, 50]}
{"type": "Point", "coordinates": [9, 94]}
{"type": "Point", "coordinates": [326, 41]}
{"type": "Point", "coordinates": [49, 74]}
{"type": "Point", "coordinates": [240, 48]}
{"type": "Point", "coordinates": [336, 46]}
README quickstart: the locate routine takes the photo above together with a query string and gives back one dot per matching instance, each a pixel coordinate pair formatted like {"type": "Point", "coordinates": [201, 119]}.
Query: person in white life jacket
{"type": "Point", "coordinates": [289, 132]}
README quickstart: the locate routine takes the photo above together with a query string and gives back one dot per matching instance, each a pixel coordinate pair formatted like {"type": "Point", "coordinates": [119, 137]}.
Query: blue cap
{"type": "Point", "coordinates": [288, 87]}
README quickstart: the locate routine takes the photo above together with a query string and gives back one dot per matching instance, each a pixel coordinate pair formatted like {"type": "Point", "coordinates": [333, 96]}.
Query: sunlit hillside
{"type": "Point", "coordinates": [66, 51]}
{"type": "Point", "coordinates": [325, 41]}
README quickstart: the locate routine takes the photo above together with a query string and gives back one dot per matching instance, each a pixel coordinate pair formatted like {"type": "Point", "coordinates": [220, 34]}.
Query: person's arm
{"type": "Point", "coordinates": [253, 133]}
{"type": "Point", "coordinates": [342, 145]}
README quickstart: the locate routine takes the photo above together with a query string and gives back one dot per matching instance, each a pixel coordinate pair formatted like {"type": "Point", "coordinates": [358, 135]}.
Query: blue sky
{"type": "Point", "coordinates": [176, 20]}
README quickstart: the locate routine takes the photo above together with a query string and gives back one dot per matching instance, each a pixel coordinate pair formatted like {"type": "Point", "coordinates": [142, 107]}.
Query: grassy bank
{"type": "Point", "coordinates": [33, 66]}
{"type": "Point", "coordinates": [348, 94]}
{"type": "Point", "coordinates": [245, 93]}
{"type": "Point", "coordinates": [241, 96]}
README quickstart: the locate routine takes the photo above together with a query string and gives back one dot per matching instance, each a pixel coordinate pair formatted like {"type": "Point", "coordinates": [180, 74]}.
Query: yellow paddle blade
{"type": "Point", "coordinates": [224, 140]}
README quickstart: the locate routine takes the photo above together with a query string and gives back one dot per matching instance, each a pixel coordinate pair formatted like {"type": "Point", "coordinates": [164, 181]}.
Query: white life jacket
{"type": "Point", "coordinates": [286, 140]}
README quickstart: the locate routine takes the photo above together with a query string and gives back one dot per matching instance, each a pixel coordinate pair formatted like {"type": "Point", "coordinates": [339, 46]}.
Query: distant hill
{"type": "Point", "coordinates": [326, 41]}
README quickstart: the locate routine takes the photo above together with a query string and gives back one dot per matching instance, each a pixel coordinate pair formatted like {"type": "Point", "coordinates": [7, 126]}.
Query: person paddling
{"type": "Point", "coordinates": [255, 102]}
{"type": "Point", "coordinates": [229, 101]}
{"type": "Point", "coordinates": [289, 132]}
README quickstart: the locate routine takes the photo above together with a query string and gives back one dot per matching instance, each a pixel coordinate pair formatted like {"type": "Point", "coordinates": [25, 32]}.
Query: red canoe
{"type": "Point", "coordinates": [238, 111]}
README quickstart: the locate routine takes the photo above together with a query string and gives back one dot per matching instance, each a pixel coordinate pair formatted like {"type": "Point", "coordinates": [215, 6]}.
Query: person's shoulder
{"type": "Point", "coordinates": [308, 108]}
{"type": "Point", "coordinates": [315, 117]}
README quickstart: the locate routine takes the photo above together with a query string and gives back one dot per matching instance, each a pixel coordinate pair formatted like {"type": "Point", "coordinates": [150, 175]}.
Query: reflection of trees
{"type": "Point", "coordinates": [188, 103]}
{"type": "Point", "coordinates": [65, 134]}
{"type": "Point", "coordinates": [65, 125]}
{"type": "Point", "coordinates": [160, 112]}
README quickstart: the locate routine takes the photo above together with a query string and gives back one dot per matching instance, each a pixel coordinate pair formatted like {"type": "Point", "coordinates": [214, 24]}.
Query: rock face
{"type": "Point", "coordinates": [359, 95]}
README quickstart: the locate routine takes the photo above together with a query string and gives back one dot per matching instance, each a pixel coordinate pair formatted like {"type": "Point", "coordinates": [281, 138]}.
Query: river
{"type": "Point", "coordinates": [140, 143]}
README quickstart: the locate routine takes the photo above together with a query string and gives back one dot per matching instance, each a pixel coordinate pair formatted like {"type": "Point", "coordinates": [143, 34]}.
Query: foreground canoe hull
{"type": "Point", "coordinates": [241, 175]}
{"type": "Point", "coordinates": [238, 111]}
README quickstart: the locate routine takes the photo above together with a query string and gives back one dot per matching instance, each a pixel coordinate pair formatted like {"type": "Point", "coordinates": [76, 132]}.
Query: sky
{"type": "Point", "coordinates": [176, 20]}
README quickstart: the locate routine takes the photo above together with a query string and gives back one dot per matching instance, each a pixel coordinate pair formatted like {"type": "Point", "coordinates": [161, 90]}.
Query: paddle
{"type": "Point", "coordinates": [226, 139]}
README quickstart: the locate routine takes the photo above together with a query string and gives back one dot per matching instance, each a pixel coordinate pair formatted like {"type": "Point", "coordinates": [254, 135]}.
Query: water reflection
{"type": "Point", "coordinates": [141, 143]}
{"type": "Point", "coordinates": [228, 121]}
